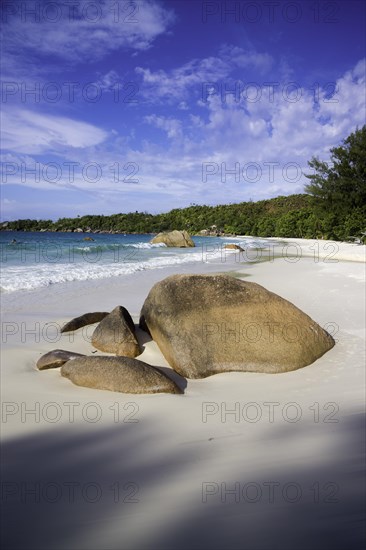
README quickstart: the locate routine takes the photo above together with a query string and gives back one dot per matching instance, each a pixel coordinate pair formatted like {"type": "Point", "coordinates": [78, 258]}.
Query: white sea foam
{"type": "Point", "coordinates": [148, 245]}
{"type": "Point", "coordinates": [45, 274]}
{"type": "Point", "coordinates": [88, 263]}
{"type": "Point", "coordinates": [99, 247]}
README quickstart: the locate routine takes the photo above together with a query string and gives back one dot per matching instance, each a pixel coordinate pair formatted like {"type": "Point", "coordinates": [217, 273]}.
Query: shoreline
{"type": "Point", "coordinates": [172, 446]}
{"type": "Point", "coordinates": [319, 249]}
{"type": "Point", "coordinates": [290, 250]}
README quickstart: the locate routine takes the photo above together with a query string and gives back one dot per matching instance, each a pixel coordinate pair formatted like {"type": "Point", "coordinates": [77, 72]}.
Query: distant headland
{"type": "Point", "coordinates": [293, 216]}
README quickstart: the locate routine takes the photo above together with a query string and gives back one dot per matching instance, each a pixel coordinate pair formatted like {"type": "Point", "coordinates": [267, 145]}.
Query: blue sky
{"type": "Point", "coordinates": [117, 106]}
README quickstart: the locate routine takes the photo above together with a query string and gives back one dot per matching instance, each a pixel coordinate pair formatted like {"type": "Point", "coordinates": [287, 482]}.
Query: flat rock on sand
{"type": "Point", "coordinates": [121, 374]}
{"type": "Point", "coordinates": [206, 324]}
{"type": "Point", "coordinates": [116, 334]}
{"type": "Point", "coordinates": [56, 358]}
{"type": "Point", "coordinates": [83, 320]}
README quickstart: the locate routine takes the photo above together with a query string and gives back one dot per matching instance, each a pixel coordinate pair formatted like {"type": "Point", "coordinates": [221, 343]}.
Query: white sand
{"type": "Point", "coordinates": [178, 454]}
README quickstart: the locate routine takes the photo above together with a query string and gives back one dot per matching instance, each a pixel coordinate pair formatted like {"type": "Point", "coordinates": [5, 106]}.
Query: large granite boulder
{"type": "Point", "coordinates": [178, 239]}
{"type": "Point", "coordinates": [83, 320]}
{"type": "Point", "coordinates": [122, 374]}
{"type": "Point", "coordinates": [56, 358]}
{"type": "Point", "coordinates": [207, 324]}
{"type": "Point", "coordinates": [116, 334]}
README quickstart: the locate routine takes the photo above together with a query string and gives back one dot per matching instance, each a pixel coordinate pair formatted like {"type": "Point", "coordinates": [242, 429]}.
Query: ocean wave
{"type": "Point", "coordinates": [80, 249]}
{"type": "Point", "coordinates": [42, 275]}
{"type": "Point", "coordinates": [148, 245]}
{"type": "Point", "coordinates": [50, 249]}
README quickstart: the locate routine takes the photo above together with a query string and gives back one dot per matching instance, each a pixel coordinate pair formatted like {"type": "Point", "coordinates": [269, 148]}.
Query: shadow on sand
{"type": "Point", "coordinates": [83, 465]}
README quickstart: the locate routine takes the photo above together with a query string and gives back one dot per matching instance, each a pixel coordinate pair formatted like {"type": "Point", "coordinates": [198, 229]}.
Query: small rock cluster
{"type": "Point", "coordinates": [116, 334]}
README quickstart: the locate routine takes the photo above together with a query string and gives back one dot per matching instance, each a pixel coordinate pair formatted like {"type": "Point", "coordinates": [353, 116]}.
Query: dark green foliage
{"type": "Point", "coordinates": [339, 189]}
{"type": "Point", "coordinates": [251, 218]}
{"type": "Point", "coordinates": [292, 216]}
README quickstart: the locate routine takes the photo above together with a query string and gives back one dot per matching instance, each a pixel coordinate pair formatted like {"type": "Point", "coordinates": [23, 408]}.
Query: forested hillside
{"type": "Point", "coordinates": [292, 216]}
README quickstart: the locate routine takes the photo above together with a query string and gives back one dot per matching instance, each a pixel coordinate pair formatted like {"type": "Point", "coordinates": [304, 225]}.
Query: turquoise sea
{"type": "Point", "coordinates": [34, 260]}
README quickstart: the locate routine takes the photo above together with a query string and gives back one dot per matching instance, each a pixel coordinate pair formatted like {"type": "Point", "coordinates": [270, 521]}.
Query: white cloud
{"type": "Point", "coordinates": [274, 135]}
{"type": "Point", "coordinates": [279, 136]}
{"type": "Point", "coordinates": [281, 127]}
{"type": "Point", "coordinates": [177, 83]}
{"type": "Point", "coordinates": [183, 106]}
{"type": "Point", "coordinates": [172, 126]}
{"type": "Point", "coordinates": [108, 80]}
{"type": "Point", "coordinates": [239, 57]}
{"type": "Point", "coordinates": [32, 133]}
{"type": "Point", "coordinates": [80, 33]}
{"type": "Point", "coordinates": [348, 104]}
{"type": "Point", "coordinates": [196, 121]}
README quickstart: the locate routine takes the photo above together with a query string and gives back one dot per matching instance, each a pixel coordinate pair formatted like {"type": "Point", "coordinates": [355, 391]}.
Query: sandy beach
{"type": "Point", "coordinates": [239, 461]}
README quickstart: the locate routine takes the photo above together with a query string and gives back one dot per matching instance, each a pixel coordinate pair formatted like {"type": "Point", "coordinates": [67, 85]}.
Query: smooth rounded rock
{"type": "Point", "coordinates": [83, 320]}
{"type": "Point", "coordinates": [121, 374]}
{"type": "Point", "coordinates": [116, 334]}
{"type": "Point", "coordinates": [177, 239]}
{"type": "Point", "coordinates": [208, 324]}
{"type": "Point", "coordinates": [56, 358]}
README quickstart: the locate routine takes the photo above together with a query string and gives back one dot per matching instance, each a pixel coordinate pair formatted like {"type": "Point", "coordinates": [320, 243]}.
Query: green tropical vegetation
{"type": "Point", "coordinates": [333, 207]}
{"type": "Point", "coordinates": [338, 189]}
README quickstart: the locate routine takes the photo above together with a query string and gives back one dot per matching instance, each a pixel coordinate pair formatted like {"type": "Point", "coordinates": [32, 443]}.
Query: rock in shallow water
{"type": "Point", "coordinates": [116, 334]}
{"type": "Point", "coordinates": [232, 246]}
{"type": "Point", "coordinates": [56, 358]}
{"type": "Point", "coordinates": [122, 374]}
{"type": "Point", "coordinates": [177, 239]}
{"type": "Point", "coordinates": [205, 324]}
